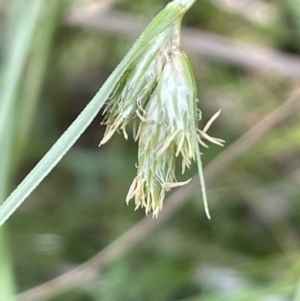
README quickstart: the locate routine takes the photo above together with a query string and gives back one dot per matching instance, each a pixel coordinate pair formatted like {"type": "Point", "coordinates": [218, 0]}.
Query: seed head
{"type": "Point", "coordinates": [132, 93]}
{"type": "Point", "coordinates": [159, 92]}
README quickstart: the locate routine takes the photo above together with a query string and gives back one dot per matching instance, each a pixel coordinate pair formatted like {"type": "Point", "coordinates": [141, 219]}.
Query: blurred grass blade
{"type": "Point", "coordinates": [16, 55]}
{"type": "Point", "coordinates": [163, 20]}
{"type": "Point", "coordinates": [16, 60]}
{"type": "Point", "coordinates": [35, 73]}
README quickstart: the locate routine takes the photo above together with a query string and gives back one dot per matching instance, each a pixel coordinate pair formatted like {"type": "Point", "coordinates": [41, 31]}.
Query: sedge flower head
{"type": "Point", "coordinates": [159, 92]}
{"type": "Point", "coordinates": [132, 92]}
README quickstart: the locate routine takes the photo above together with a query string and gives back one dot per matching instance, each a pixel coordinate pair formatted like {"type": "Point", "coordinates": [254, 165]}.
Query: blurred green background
{"type": "Point", "coordinates": [250, 248]}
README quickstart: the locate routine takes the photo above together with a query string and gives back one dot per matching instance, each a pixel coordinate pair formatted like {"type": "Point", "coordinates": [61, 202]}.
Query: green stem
{"type": "Point", "coordinates": [163, 20]}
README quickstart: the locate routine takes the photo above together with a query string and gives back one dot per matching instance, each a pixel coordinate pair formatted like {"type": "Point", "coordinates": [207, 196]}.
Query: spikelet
{"type": "Point", "coordinates": [159, 91]}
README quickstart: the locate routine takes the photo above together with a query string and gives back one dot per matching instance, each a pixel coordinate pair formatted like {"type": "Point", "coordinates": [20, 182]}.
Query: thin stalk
{"type": "Point", "coordinates": [163, 20]}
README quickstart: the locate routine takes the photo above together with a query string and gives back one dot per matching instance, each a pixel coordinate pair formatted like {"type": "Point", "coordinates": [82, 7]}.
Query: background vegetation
{"type": "Point", "coordinates": [246, 58]}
